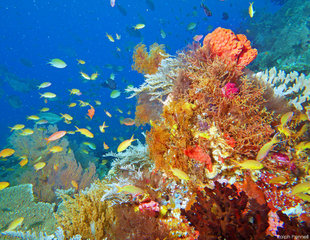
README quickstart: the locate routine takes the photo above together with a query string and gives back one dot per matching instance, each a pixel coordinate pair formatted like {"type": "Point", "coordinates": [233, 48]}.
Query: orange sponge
{"type": "Point", "coordinates": [231, 48]}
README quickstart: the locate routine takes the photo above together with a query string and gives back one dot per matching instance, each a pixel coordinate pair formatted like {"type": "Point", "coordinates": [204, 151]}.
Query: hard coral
{"type": "Point", "coordinates": [223, 213]}
{"type": "Point", "coordinates": [231, 48]}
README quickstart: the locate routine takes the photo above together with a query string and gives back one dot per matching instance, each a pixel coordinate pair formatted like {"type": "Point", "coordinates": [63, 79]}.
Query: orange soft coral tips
{"type": "Point", "coordinates": [231, 48]}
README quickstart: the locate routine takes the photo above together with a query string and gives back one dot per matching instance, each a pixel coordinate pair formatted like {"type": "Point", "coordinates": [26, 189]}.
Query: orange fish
{"type": "Point", "coordinates": [128, 121]}
{"type": "Point", "coordinates": [91, 112]}
{"type": "Point", "coordinates": [55, 136]}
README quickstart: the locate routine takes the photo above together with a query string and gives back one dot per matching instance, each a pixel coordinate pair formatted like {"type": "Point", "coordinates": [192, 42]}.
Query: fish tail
{"type": "Point", "coordinates": [119, 189]}
{"type": "Point", "coordinates": [47, 141]}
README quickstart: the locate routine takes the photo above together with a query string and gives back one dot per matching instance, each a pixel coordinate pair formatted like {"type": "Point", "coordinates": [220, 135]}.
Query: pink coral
{"type": "Point", "coordinates": [231, 48]}
{"type": "Point", "coordinates": [150, 208]}
{"type": "Point", "coordinates": [229, 90]}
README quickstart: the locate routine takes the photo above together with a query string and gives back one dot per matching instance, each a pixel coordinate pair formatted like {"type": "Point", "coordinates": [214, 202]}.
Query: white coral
{"type": "Point", "coordinates": [293, 86]}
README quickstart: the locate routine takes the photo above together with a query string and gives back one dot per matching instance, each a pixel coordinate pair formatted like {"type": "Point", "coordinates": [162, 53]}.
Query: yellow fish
{"type": "Point", "coordinates": [75, 184]}
{"type": "Point", "coordinates": [180, 174]}
{"type": "Point", "coordinates": [94, 76]}
{"type": "Point", "coordinates": [72, 105]}
{"type": "Point", "coordinates": [98, 103]}
{"type": "Point", "coordinates": [278, 180]}
{"type": "Point", "coordinates": [48, 95]}
{"type": "Point", "coordinates": [263, 152]}
{"type": "Point", "coordinates": [83, 104]}
{"type": "Point", "coordinates": [17, 127]}
{"type": "Point", "coordinates": [107, 113]}
{"type": "Point", "coordinates": [45, 109]}
{"type": "Point", "coordinates": [301, 188]}
{"type": "Point", "coordinates": [4, 185]}
{"type": "Point", "coordinates": [17, 222]}
{"type": "Point", "coordinates": [130, 189]}
{"type": "Point", "coordinates": [105, 146]}
{"type": "Point", "coordinates": [23, 162]}
{"type": "Point", "coordinates": [118, 37]}
{"type": "Point", "coordinates": [111, 39]}
{"type": "Point", "coordinates": [33, 117]}
{"type": "Point", "coordinates": [85, 132]}
{"type": "Point", "coordinates": [125, 144]}
{"type": "Point", "coordinates": [85, 76]}
{"type": "Point", "coordinates": [251, 10]}
{"type": "Point", "coordinates": [56, 149]}
{"type": "Point", "coordinates": [26, 132]}
{"type": "Point", "coordinates": [7, 152]}
{"type": "Point", "coordinates": [286, 118]}
{"type": "Point", "coordinates": [284, 130]}
{"type": "Point", "coordinates": [44, 85]}
{"type": "Point", "coordinates": [57, 63]}
{"type": "Point", "coordinates": [301, 147]}
{"type": "Point", "coordinates": [66, 116]}
{"type": "Point", "coordinates": [102, 127]}
{"type": "Point", "coordinates": [139, 26]}
{"type": "Point", "coordinates": [250, 164]}
{"type": "Point", "coordinates": [39, 166]}
{"type": "Point", "coordinates": [80, 61]}
{"type": "Point", "coordinates": [75, 91]}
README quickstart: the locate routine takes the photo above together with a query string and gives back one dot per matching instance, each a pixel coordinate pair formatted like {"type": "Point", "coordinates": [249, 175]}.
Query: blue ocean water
{"type": "Point", "coordinates": [33, 32]}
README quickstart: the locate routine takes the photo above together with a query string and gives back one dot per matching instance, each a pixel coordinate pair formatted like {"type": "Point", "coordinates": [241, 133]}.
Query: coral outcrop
{"type": "Point", "coordinates": [19, 201]}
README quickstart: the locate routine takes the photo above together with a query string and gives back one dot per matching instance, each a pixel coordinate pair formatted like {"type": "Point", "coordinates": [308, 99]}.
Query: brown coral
{"type": "Point", "coordinates": [223, 213]}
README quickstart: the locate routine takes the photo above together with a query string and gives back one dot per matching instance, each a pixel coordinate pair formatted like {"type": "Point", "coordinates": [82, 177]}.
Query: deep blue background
{"type": "Point", "coordinates": [39, 30]}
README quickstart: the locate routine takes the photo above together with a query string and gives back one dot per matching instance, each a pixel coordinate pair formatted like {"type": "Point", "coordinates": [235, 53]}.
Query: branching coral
{"type": "Point", "coordinates": [145, 62]}
{"type": "Point", "coordinates": [293, 86]}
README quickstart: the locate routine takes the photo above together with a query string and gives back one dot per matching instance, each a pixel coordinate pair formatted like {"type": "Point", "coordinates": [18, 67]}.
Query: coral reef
{"type": "Point", "coordinates": [154, 90]}
{"type": "Point", "coordinates": [159, 84]}
{"type": "Point", "coordinates": [145, 62]}
{"type": "Point", "coordinates": [38, 216]}
{"type": "Point", "coordinates": [61, 167]}
{"type": "Point", "coordinates": [135, 157]}
{"type": "Point", "coordinates": [86, 214]}
{"type": "Point", "coordinates": [41, 236]}
{"type": "Point", "coordinates": [293, 86]}
{"type": "Point", "coordinates": [225, 213]}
